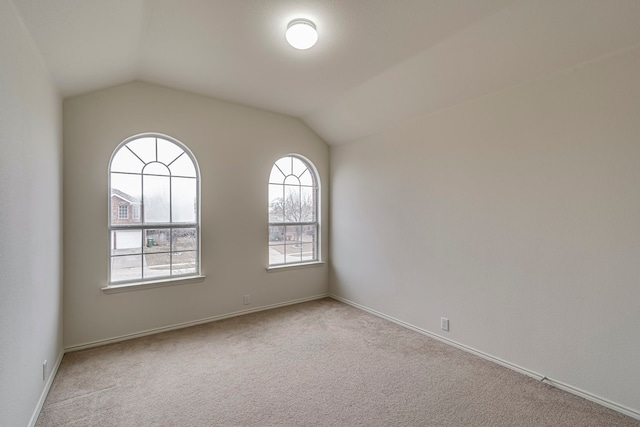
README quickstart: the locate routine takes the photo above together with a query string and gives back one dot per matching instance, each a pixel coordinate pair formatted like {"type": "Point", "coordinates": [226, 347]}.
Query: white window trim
{"type": "Point", "coordinates": [285, 267]}
{"type": "Point", "coordinates": [136, 286]}
{"type": "Point", "coordinates": [318, 222]}
{"type": "Point", "coordinates": [113, 287]}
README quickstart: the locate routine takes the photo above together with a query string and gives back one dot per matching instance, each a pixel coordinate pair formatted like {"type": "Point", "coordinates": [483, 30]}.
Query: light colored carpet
{"type": "Point", "coordinates": [321, 363]}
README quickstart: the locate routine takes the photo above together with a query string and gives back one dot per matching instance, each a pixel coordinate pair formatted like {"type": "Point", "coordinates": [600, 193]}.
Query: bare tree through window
{"type": "Point", "coordinates": [293, 206]}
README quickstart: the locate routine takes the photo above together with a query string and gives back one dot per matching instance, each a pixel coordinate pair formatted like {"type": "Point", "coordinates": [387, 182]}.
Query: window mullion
{"type": "Point", "coordinates": [126, 247]}
{"type": "Point", "coordinates": [180, 155]}
{"type": "Point", "coordinates": [143, 221]}
{"type": "Point", "coordinates": [170, 222]}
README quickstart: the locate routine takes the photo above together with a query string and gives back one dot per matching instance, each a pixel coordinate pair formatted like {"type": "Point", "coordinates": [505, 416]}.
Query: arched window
{"type": "Point", "coordinates": [293, 212]}
{"type": "Point", "coordinates": [154, 215]}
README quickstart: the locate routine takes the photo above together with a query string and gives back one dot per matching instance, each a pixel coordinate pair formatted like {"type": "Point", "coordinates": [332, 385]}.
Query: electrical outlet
{"type": "Point", "coordinates": [44, 371]}
{"type": "Point", "coordinates": [444, 323]}
{"type": "Point", "coordinates": [247, 299]}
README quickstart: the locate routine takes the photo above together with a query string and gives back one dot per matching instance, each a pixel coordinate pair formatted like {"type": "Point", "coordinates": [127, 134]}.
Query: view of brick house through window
{"type": "Point", "coordinates": [121, 203]}
{"type": "Point", "coordinates": [293, 212]}
{"type": "Point", "coordinates": [154, 226]}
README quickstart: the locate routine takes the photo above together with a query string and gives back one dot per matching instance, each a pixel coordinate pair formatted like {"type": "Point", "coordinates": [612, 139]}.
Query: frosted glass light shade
{"type": "Point", "coordinates": [301, 34]}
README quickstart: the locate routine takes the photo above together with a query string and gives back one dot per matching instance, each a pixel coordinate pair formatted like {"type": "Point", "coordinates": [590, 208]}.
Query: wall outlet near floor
{"type": "Point", "coordinates": [444, 323]}
{"type": "Point", "coordinates": [247, 299]}
{"type": "Point", "coordinates": [44, 371]}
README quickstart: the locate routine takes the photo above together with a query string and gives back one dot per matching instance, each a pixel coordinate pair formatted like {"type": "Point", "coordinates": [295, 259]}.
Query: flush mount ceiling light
{"type": "Point", "coordinates": [301, 34]}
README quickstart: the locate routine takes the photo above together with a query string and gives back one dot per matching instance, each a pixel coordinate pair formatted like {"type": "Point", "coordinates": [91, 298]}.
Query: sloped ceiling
{"type": "Point", "coordinates": [377, 64]}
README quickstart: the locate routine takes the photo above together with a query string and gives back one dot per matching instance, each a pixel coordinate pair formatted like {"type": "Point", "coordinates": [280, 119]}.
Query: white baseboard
{"type": "Point", "coordinates": [188, 324]}
{"type": "Point", "coordinates": [45, 391]}
{"type": "Point", "coordinates": [566, 387]}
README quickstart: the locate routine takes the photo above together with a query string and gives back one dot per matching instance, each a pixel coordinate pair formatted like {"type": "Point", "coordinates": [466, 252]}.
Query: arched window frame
{"type": "Point", "coordinates": [181, 233]}
{"type": "Point", "coordinates": [294, 240]}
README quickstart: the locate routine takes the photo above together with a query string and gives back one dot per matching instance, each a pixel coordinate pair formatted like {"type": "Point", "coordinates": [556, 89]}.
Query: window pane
{"type": "Point", "coordinates": [276, 254]}
{"type": "Point", "coordinates": [184, 199]}
{"type": "Point", "coordinates": [126, 268]}
{"type": "Point", "coordinates": [125, 191]}
{"type": "Point", "coordinates": [157, 240]}
{"type": "Point", "coordinates": [185, 263]}
{"type": "Point", "coordinates": [145, 148]}
{"type": "Point", "coordinates": [298, 166]}
{"type": "Point", "coordinates": [156, 168]}
{"type": "Point", "coordinates": [276, 203]}
{"type": "Point", "coordinates": [292, 206]}
{"type": "Point", "coordinates": [293, 247]}
{"type": "Point", "coordinates": [306, 178]}
{"type": "Point", "coordinates": [276, 235]}
{"type": "Point", "coordinates": [292, 180]}
{"type": "Point", "coordinates": [126, 161]}
{"type": "Point", "coordinates": [309, 248]}
{"type": "Point", "coordinates": [184, 239]}
{"type": "Point", "coordinates": [126, 186]}
{"type": "Point", "coordinates": [156, 199]}
{"type": "Point", "coordinates": [308, 210]}
{"type": "Point", "coordinates": [183, 166]}
{"type": "Point", "coordinates": [126, 242]}
{"type": "Point", "coordinates": [167, 151]}
{"type": "Point", "coordinates": [293, 253]}
{"type": "Point", "coordinates": [293, 233]}
{"type": "Point", "coordinates": [276, 176]}
{"type": "Point", "coordinates": [285, 165]}
{"type": "Point", "coordinates": [157, 265]}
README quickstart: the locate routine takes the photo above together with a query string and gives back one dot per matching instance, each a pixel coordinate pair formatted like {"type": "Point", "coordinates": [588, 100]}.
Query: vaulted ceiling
{"type": "Point", "coordinates": [377, 63]}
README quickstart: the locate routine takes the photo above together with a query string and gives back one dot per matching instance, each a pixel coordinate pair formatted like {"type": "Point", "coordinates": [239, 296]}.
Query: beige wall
{"type": "Point", "coordinates": [30, 223]}
{"type": "Point", "coordinates": [517, 216]}
{"type": "Point", "coordinates": [235, 147]}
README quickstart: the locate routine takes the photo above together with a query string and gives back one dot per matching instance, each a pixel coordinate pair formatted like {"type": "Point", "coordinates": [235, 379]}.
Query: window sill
{"type": "Point", "coordinates": [137, 286]}
{"type": "Point", "coordinates": [284, 267]}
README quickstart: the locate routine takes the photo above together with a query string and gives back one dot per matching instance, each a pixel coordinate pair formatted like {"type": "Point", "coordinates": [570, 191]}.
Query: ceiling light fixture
{"type": "Point", "coordinates": [301, 34]}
